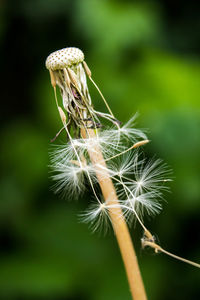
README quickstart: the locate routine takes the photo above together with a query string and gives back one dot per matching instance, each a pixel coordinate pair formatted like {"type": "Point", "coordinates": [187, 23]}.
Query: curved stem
{"type": "Point", "coordinates": [158, 248]}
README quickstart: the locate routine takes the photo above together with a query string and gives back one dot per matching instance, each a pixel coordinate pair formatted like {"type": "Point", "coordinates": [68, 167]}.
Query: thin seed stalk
{"type": "Point", "coordinates": [119, 225]}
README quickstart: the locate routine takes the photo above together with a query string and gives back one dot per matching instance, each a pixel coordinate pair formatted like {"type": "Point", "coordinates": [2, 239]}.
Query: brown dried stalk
{"type": "Point", "coordinates": [118, 222]}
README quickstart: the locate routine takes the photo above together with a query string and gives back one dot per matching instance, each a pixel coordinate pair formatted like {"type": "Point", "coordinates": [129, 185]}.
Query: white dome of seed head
{"type": "Point", "coordinates": [63, 58]}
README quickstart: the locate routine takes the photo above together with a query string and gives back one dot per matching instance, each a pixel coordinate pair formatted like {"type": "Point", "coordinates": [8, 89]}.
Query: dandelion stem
{"type": "Point", "coordinates": [118, 222]}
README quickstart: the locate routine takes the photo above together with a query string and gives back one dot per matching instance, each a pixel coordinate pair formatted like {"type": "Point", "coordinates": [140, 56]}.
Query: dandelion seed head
{"type": "Point", "coordinates": [139, 183]}
{"type": "Point", "coordinates": [63, 58]}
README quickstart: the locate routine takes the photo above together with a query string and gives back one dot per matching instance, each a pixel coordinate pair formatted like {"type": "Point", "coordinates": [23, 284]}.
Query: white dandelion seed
{"type": "Point", "coordinates": [127, 132]}
{"type": "Point", "coordinates": [97, 216]}
{"type": "Point", "coordinates": [144, 203]}
{"type": "Point", "coordinates": [123, 166]}
{"type": "Point", "coordinates": [150, 175]}
{"type": "Point", "coordinates": [70, 177]}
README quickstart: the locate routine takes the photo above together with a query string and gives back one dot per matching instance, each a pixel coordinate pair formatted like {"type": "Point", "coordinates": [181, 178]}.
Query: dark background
{"type": "Point", "coordinates": [145, 57]}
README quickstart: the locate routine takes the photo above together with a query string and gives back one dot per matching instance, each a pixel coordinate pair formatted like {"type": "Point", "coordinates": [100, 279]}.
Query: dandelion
{"type": "Point", "coordinates": [105, 157]}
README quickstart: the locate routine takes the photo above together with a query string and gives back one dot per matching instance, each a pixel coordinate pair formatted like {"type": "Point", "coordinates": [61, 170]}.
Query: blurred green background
{"type": "Point", "coordinates": [144, 56]}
